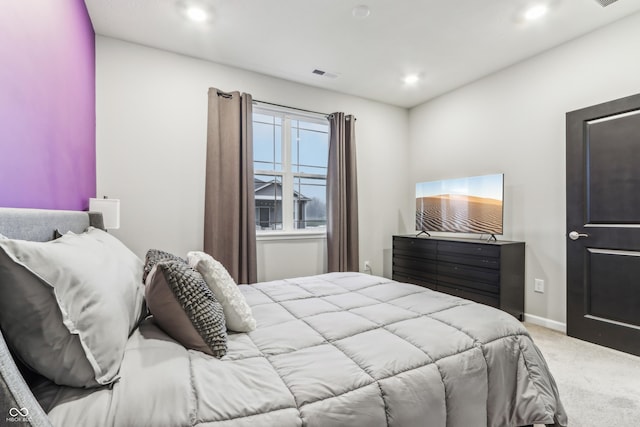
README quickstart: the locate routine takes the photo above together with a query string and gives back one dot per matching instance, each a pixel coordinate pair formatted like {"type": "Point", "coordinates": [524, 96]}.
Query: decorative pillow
{"type": "Point", "coordinates": [184, 307]}
{"type": "Point", "coordinates": [153, 257]}
{"type": "Point", "coordinates": [68, 306]}
{"type": "Point", "coordinates": [237, 312]}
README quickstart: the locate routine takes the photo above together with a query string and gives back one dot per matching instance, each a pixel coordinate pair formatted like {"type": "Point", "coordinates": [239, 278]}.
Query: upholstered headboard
{"type": "Point", "coordinates": [16, 400]}
{"type": "Point", "coordinates": [39, 225]}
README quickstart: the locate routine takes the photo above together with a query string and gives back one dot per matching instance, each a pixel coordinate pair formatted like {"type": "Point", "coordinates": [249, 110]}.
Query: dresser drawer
{"type": "Point", "coordinates": [415, 247]}
{"type": "Point", "coordinates": [404, 263]}
{"type": "Point", "coordinates": [415, 269]}
{"type": "Point", "coordinates": [476, 249]}
{"type": "Point", "coordinates": [470, 284]}
{"type": "Point", "coordinates": [477, 261]}
{"type": "Point", "coordinates": [423, 256]}
{"type": "Point", "coordinates": [447, 271]}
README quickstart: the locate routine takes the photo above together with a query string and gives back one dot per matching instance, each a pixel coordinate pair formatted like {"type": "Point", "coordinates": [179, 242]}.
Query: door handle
{"type": "Point", "coordinates": [574, 235]}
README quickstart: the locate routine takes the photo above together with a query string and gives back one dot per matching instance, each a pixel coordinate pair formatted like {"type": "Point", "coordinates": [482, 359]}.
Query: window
{"type": "Point", "coordinates": [290, 154]}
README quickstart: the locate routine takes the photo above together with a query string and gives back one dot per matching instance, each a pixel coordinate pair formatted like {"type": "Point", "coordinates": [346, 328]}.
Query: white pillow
{"type": "Point", "coordinates": [67, 306]}
{"type": "Point", "coordinates": [237, 312]}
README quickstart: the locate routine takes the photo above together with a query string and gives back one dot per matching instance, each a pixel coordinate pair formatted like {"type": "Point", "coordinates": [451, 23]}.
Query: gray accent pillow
{"type": "Point", "coordinates": [153, 257]}
{"type": "Point", "coordinates": [185, 308]}
{"type": "Point", "coordinates": [68, 306]}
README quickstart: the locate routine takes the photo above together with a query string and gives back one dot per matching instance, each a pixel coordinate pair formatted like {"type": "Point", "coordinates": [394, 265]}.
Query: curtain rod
{"type": "Point", "coordinates": [292, 108]}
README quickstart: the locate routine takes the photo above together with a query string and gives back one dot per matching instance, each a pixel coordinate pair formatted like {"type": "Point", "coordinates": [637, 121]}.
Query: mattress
{"type": "Point", "coordinates": [340, 349]}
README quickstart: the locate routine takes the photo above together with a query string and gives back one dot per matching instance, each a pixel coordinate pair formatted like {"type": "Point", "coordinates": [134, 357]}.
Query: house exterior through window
{"type": "Point", "coordinates": [290, 152]}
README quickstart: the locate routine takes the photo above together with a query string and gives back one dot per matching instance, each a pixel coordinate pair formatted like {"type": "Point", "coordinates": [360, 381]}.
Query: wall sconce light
{"type": "Point", "coordinates": [110, 209]}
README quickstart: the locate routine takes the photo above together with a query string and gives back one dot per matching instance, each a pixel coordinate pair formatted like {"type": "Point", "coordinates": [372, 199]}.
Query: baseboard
{"type": "Point", "coordinates": [547, 323]}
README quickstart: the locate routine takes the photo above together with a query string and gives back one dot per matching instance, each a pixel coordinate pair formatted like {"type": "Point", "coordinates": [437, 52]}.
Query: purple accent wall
{"type": "Point", "coordinates": [47, 105]}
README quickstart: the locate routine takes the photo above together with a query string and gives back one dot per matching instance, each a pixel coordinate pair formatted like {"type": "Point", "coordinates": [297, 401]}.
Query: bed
{"type": "Point", "coordinates": [339, 349]}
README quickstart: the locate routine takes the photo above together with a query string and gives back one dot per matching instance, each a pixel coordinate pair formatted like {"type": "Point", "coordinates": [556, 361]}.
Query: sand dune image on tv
{"type": "Point", "coordinates": [461, 213]}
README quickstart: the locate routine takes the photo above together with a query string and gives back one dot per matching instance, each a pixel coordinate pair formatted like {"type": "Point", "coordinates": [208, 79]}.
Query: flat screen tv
{"type": "Point", "coordinates": [461, 205]}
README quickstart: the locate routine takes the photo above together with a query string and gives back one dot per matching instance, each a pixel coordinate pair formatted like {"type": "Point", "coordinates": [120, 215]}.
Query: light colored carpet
{"type": "Point", "coordinates": [598, 386]}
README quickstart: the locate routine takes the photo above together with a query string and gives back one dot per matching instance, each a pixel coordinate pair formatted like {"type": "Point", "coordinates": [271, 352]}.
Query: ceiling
{"type": "Point", "coordinates": [448, 43]}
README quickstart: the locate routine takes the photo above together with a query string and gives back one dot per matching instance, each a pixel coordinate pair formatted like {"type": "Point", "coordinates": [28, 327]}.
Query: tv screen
{"type": "Point", "coordinates": [461, 205]}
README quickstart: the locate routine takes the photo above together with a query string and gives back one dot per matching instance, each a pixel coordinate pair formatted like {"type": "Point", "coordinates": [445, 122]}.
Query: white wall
{"type": "Point", "coordinates": [151, 142]}
{"type": "Point", "coordinates": [281, 258]}
{"type": "Point", "coordinates": [514, 122]}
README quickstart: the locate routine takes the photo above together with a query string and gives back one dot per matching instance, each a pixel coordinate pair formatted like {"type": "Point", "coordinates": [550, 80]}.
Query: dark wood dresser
{"type": "Point", "coordinates": [491, 273]}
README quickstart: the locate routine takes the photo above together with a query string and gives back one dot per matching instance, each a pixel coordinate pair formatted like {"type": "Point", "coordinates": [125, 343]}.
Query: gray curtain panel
{"type": "Point", "coordinates": [342, 195]}
{"type": "Point", "coordinates": [229, 222]}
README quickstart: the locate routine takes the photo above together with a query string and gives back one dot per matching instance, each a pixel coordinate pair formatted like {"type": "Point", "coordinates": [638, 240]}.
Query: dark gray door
{"type": "Point", "coordinates": [603, 224]}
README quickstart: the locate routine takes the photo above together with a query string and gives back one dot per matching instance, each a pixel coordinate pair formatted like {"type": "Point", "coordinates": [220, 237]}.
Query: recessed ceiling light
{"type": "Point", "coordinates": [197, 14]}
{"type": "Point", "coordinates": [361, 11]}
{"type": "Point", "coordinates": [536, 12]}
{"type": "Point", "coordinates": [411, 79]}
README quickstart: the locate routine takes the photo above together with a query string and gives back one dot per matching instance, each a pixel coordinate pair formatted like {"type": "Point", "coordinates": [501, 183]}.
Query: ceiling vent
{"type": "Point", "coordinates": [605, 3]}
{"type": "Point", "coordinates": [326, 74]}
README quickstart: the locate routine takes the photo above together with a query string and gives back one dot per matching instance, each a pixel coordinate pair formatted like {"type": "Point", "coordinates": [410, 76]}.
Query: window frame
{"type": "Point", "coordinates": [287, 115]}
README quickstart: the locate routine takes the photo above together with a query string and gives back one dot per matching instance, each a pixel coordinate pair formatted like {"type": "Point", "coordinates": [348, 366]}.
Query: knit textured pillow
{"type": "Point", "coordinates": [153, 257]}
{"type": "Point", "coordinates": [185, 308]}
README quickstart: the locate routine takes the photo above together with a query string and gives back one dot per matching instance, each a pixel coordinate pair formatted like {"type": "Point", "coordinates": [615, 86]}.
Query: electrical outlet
{"type": "Point", "coordinates": [538, 285]}
{"type": "Point", "coordinates": [367, 266]}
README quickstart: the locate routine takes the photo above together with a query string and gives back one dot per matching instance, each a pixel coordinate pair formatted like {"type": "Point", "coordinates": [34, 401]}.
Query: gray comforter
{"type": "Point", "coordinates": [341, 349]}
